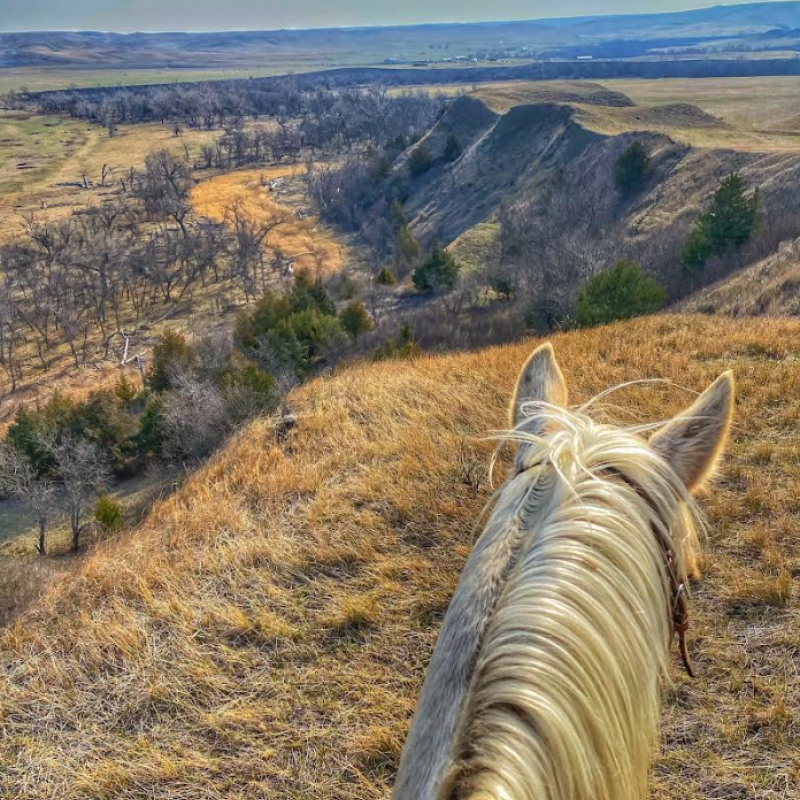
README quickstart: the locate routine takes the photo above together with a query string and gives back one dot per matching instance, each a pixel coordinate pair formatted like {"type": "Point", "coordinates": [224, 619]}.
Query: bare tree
{"type": "Point", "coordinates": [84, 472]}
{"type": "Point", "coordinates": [18, 478]}
{"type": "Point", "coordinates": [196, 419]}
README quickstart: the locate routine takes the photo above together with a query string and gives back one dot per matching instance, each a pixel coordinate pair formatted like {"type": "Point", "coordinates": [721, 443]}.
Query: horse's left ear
{"type": "Point", "coordinates": [540, 381]}
{"type": "Point", "coordinates": [693, 441]}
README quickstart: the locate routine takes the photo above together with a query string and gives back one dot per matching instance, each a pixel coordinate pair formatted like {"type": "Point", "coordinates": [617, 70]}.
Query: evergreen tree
{"type": "Point", "coordinates": [420, 161]}
{"type": "Point", "coordinates": [439, 271]}
{"type": "Point", "coordinates": [731, 221]}
{"type": "Point", "coordinates": [408, 249]}
{"type": "Point", "coordinates": [631, 169]}
{"type": "Point", "coordinates": [452, 149]}
{"type": "Point", "coordinates": [355, 318]}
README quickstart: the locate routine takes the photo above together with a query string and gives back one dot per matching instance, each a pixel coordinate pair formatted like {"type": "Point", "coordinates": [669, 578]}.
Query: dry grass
{"type": "Point", "coordinates": [38, 153]}
{"type": "Point", "coordinates": [688, 124]}
{"type": "Point", "coordinates": [314, 245]}
{"type": "Point", "coordinates": [265, 633]}
{"type": "Point", "coordinates": [755, 114]}
{"type": "Point", "coordinates": [754, 105]}
{"type": "Point", "coordinates": [45, 79]}
{"type": "Point", "coordinates": [767, 288]}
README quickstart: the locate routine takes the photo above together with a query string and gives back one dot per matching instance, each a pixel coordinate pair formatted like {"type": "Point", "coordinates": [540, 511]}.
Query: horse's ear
{"type": "Point", "coordinates": [693, 441]}
{"type": "Point", "coordinates": [540, 381]}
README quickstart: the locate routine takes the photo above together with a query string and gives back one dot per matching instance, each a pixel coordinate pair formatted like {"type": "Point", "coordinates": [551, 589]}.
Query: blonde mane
{"type": "Point", "coordinates": [551, 689]}
{"type": "Point", "coordinates": [564, 698]}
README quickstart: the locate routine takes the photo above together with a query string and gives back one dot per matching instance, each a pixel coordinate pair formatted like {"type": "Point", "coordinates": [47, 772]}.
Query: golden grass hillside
{"type": "Point", "coordinates": [305, 240]}
{"type": "Point", "coordinates": [265, 633]}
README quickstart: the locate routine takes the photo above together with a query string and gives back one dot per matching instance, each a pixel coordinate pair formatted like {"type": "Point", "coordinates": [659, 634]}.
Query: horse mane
{"type": "Point", "coordinates": [562, 698]}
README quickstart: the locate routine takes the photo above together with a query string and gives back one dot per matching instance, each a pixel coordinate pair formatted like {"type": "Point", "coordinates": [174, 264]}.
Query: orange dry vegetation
{"type": "Point", "coordinates": [315, 247]}
{"type": "Point", "coordinates": [265, 633]}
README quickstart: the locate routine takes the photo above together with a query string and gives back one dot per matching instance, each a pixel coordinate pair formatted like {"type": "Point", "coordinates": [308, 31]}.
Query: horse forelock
{"type": "Point", "coordinates": [544, 683]}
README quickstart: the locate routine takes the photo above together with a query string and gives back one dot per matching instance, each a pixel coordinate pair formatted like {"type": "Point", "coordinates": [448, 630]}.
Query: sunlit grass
{"type": "Point", "coordinates": [265, 632]}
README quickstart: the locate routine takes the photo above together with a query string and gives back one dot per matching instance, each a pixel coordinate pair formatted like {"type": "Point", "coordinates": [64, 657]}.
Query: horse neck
{"type": "Point", "coordinates": [544, 684]}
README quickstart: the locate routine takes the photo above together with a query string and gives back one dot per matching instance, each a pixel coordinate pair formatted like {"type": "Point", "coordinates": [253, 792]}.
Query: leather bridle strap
{"type": "Point", "coordinates": [679, 610]}
{"type": "Point", "coordinates": [680, 624]}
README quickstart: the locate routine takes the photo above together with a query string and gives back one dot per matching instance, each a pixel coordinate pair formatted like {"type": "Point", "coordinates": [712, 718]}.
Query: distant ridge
{"type": "Point", "coordinates": [400, 44]}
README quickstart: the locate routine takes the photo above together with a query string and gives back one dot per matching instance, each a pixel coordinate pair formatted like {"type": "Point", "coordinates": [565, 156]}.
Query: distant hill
{"type": "Point", "coordinates": [518, 139]}
{"type": "Point", "coordinates": [607, 36]}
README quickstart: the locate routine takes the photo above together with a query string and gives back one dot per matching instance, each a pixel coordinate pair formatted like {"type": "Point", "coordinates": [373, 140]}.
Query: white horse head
{"type": "Point", "coordinates": [545, 680]}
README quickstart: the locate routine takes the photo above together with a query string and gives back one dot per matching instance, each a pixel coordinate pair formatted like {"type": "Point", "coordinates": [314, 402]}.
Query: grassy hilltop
{"type": "Point", "coordinates": [265, 632]}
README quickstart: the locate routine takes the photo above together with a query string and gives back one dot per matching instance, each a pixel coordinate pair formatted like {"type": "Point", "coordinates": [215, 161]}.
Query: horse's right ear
{"type": "Point", "coordinates": [540, 381]}
{"type": "Point", "coordinates": [692, 442]}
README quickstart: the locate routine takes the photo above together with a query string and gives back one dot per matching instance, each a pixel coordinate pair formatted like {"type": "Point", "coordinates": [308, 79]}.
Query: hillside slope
{"type": "Point", "coordinates": [529, 141]}
{"type": "Point", "coordinates": [770, 287]}
{"type": "Point", "coordinates": [266, 631]}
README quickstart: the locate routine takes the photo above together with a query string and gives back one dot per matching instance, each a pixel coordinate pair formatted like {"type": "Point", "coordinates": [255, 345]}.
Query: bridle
{"type": "Point", "coordinates": [679, 611]}
{"type": "Point", "coordinates": [678, 605]}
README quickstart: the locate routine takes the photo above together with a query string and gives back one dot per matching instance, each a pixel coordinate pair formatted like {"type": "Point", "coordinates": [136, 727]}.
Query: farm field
{"type": "Point", "coordinates": [269, 625]}
{"type": "Point", "coordinates": [42, 79]}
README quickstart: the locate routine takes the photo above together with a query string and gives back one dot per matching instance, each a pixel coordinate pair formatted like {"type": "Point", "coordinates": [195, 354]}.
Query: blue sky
{"type": "Point", "coordinates": [129, 15]}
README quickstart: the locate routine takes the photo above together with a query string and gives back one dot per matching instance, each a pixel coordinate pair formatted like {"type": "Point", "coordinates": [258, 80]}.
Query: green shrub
{"type": "Point", "coordinates": [126, 393]}
{"type": "Point", "coordinates": [385, 278]}
{"type": "Point", "coordinates": [150, 437]}
{"type": "Point", "coordinates": [170, 354]}
{"type": "Point", "coordinates": [108, 513]}
{"type": "Point", "coordinates": [731, 221]}
{"type": "Point", "coordinates": [102, 420]}
{"type": "Point", "coordinates": [420, 161]}
{"type": "Point", "coordinates": [400, 348]}
{"type": "Point", "coordinates": [308, 295]}
{"type": "Point", "coordinates": [439, 271]}
{"type": "Point", "coordinates": [300, 328]}
{"type": "Point", "coordinates": [32, 426]}
{"type": "Point", "coordinates": [398, 214]}
{"type": "Point", "coordinates": [631, 169]}
{"type": "Point", "coordinates": [619, 293]}
{"type": "Point", "coordinates": [355, 318]}
{"type": "Point", "coordinates": [242, 372]}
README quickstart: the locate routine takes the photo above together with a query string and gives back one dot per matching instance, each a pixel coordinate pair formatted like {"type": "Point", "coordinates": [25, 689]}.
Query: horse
{"type": "Point", "coordinates": [546, 677]}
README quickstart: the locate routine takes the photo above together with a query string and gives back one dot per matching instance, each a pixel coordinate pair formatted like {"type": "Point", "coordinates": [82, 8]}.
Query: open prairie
{"type": "Point", "coordinates": [48, 79]}
{"type": "Point", "coordinates": [265, 632]}
{"type": "Point", "coordinates": [753, 105]}
{"type": "Point", "coordinates": [43, 161]}
{"type": "Point", "coordinates": [752, 114]}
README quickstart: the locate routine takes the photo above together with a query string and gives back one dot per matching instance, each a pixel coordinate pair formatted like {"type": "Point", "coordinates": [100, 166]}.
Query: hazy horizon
{"type": "Point", "coordinates": [127, 16]}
